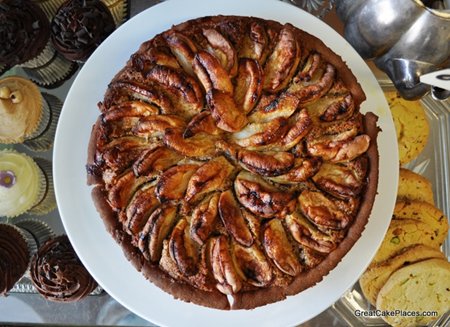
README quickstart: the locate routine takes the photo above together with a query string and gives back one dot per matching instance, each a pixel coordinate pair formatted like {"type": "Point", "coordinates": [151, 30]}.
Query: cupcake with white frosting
{"type": "Point", "coordinates": [23, 184]}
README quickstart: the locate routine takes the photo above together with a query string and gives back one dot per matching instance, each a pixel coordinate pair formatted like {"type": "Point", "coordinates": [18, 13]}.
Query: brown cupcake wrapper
{"type": "Point", "coordinates": [44, 140]}
{"type": "Point", "coordinates": [47, 201]}
{"type": "Point", "coordinates": [42, 58]}
{"type": "Point", "coordinates": [55, 72]}
{"type": "Point", "coordinates": [49, 7]}
{"type": "Point", "coordinates": [119, 9]}
{"type": "Point", "coordinates": [40, 230]}
{"type": "Point", "coordinates": [43, 121]}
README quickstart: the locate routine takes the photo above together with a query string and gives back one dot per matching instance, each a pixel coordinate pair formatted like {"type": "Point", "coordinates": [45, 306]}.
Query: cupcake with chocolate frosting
{"type": "Point", "coordinates": [15, 252]}
{"type": "Point", "coordinates": [24, 31]}
{"type": "Point", "coordinates": [79, 27]}
{"type": "Point", "coordinates": [58, 274]}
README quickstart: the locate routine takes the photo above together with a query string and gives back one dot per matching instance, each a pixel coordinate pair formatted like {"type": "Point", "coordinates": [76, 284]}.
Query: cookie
{"type": "Point", "coordinates": [402, 233]}
{"type": "Point", "coordinates": [412, 186]}
{"type": "Point", "coordinates": [373, 279]}
{"type": "Point", "coordinates": [411, 126]}
{"type": "Point", "coordinates": [425, 212]}
{"type": "Point", "coordinates": [419, 287]}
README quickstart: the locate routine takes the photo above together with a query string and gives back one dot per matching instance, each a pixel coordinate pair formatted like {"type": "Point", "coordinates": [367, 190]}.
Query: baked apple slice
{"type": "Point", "coordinates": [172, 184]}
{"type": "Point", "coordinates": [279, 249]}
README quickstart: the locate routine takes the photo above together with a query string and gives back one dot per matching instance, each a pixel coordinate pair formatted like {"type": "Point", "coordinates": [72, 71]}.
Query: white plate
{"type": "Point", "coordinates": [104, 258]}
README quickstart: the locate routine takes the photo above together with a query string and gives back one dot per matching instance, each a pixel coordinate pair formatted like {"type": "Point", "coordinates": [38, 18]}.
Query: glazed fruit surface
{"type": "Point", "coordinates": [230, 156]}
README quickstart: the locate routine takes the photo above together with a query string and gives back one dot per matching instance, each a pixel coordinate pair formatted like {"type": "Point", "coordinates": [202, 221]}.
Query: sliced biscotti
{"type": "Point", "coordinates": [403, 233]}
{"type": "Point", "coordinates": [419, 287]}
{"type": "Point", "coordinates": [373, 279]}
{"type": "Point", "coordinates": [411, 126]}
{"type": "Point", "coordinates": [412, 186]}
{"type": "Point", "coordinates": [425, 212]}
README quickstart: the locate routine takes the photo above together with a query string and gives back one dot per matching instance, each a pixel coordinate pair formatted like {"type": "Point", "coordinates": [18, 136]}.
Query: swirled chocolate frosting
{"type": "Point", "coordinates": [24, 31]}
{"type": "Point", "coordinates": [14, 257]}
{"type": "Point", "coordinates": [58, 274]}
{"type": "Point", "coordinates": [79, 27]}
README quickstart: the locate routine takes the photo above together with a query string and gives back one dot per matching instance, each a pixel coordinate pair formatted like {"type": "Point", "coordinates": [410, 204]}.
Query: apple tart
{"type": "Point", "coordinates": [231, 161]}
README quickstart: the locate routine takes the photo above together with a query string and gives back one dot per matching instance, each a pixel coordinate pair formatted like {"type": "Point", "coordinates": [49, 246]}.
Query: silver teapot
{"type": "Point", "coordinates": [404, 38]}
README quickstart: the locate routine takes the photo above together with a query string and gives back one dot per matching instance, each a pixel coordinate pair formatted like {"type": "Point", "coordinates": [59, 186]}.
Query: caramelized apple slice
{"type": "Point", "coordinates": [338, 142]}
{"type": "Point", "coordinates": [210, 177]}
{"type": "Point", "coordinates": [303, 169]}
{"type": "Point", "coordinates": [150, 55]}
{"type": "Point", "coordinates": [336, 104]}
{"type": "Point", "coordinates": [154, 126]}
{"type": "Point", "coordinates": [203, 218]}
{"type": "Point", "coordinates": [183, 49]}
{"type": "Point", "coordinates": [261, 198]}
{"type": "Point", "coordinates": [155, 160]}
{"type": "Point", "coordinates": [255, 43]}
{"type": "Point", "coordinates": [323, 211]}
{"type": "Point", "coordinates": [223, 268]}
{"type": "Point", "coordinates": [249, 82]}
{"type": "Point", "coordinates": [252, 265]}
{"type": "Point", "coordinates": [182, 89]}
{"type": "Point", "coordinates": [270, 108]}
{"type": "Point", "coordinates": [123, 189]}
{"type": "Point", "coordinates": [201, 145]}
{"type": "Point", "coordinates": [202, 122]}
{"type": "Point", "coordinates": [313, 81]}
{"type": "Point", "coordinates": [143, 203]}
{"type": "Point", "coordinates": [211, 74]}
{"type": "Point", "coordinates": [282, 63]}
{"type": "Point", "coordinates": [342, 180]}
{"type": "Point", "coordinates": [173, 182]}
{"type": "Point", "coordinates": [156, 230]}
{"type": "Point", "coordinates": [232, 219]}
{"type": "Point", "coordinates": [266, 163]}
{"type": "Point", "coordinates": [124, 91]}
{"type": "Point", "coordinates": [121, 118]}
{"type": "Point", "coordinates": [182, 250]}
{"type": "Point", "coordinates": [222, 49]}
{"type": "Point", "coordinates": [120, 152]}
{"type": "Point", "coordinates": [278, 248]}
{"type": "Point", "coordinates": [299, 126]}
{"type": "Point", "coordinates": [305, 233]}
{"type": "Point", "coordinates": [259, 136]}
{"type": "Point", "coordinates": [225, 112]}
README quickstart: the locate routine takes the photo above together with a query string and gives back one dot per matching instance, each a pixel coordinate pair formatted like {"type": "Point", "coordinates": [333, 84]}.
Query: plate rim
{"type": "Point", "coordinates": [63, 182]}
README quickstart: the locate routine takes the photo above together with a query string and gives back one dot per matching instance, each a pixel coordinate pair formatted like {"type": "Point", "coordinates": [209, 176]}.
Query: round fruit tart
{"type": "Point", "coordinates": [231, 161]}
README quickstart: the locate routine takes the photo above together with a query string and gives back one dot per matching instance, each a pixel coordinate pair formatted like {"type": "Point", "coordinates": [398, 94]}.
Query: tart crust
{"type": "Point", "coordinates": [177, 92]}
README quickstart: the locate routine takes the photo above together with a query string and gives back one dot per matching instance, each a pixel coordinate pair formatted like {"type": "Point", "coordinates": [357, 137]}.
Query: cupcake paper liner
{"type": "Point", "coordinates": [48, 199]}
{"type": "Point", "coordinates": [45, 139]}
{"type": "Point", "coordinates": [40, 230]}
{"type": "Point", "coordinates": [41, 59]}
{"type": "Point", "coordinates": [49, 7]}
{"type": "Point", "coordinates": [53, 73]}
{"type": "Point", "coordinates": [119, 9]}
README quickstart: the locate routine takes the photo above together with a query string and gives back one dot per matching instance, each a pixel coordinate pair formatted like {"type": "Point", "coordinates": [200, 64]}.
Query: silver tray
{"type": "Point", "coordinates": [434, 164]}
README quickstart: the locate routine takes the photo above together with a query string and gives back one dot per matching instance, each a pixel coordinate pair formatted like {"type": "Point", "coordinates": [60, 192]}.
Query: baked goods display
{"type": "Point", "coordinates": [409, 271]}
{"type": "Point", "coordinates": [411, 125]}
{"type": "Point", "coordinates": [58, 274]}
{"type": "Point", "coordinates": [230, 158]}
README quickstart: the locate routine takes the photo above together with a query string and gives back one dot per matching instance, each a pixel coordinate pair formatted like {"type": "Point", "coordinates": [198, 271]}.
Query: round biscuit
{"type": "Point", "coordinates": [414, 289]}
